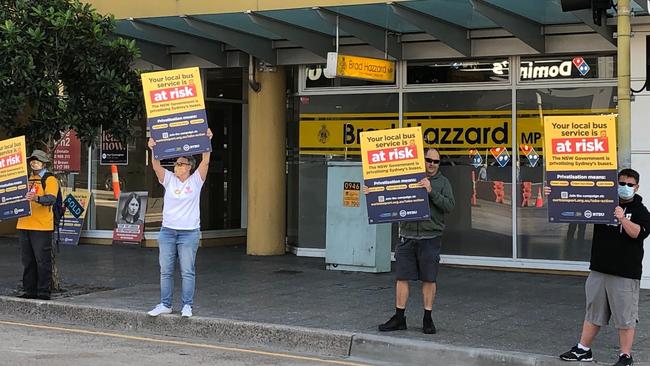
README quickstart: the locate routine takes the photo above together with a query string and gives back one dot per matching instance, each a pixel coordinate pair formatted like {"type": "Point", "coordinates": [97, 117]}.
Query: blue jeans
{"type": "Point", "coordinates": [181, 244]}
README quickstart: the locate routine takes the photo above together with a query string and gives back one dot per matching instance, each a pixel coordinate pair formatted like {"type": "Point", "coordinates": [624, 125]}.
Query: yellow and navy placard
{"type": "Point", "coordinates": [581, 168]}
{"type": "Point", "coordinates": [393, 165]}
{"type": "Point", "coordinates": [13, 179]}
{"type": "Point", "coordinates": [176, 115]}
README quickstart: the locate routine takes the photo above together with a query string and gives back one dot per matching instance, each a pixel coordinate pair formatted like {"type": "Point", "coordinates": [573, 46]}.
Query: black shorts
{"type": "Point", "coordinates": [418, 259]}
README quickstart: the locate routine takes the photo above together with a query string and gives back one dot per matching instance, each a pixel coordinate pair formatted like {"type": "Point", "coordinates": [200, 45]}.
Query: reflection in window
{"type": "Point", "coordinates": [329, 128]}
{"type": "Point", "coordinates": [458, 123]}
{"type": "Point", "coordinates": [569, 67]}
{"type": "Point", "coordinates": [472, 71]}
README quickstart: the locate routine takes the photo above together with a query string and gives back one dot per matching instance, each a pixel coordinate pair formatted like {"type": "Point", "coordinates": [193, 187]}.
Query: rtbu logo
{"type": "Point", "coordinates": [169, 94]}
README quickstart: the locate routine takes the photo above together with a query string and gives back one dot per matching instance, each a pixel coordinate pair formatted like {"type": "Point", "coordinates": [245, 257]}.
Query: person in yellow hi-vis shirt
{"type": "Point", "coordinates": [35, 231]}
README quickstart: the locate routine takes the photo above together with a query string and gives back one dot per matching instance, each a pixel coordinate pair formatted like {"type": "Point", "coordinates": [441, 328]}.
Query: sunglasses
{"type": "Point", "coordinates": [626, 184]}
{"type": "Point", "coordinates": [432, 161]}
{"type": "Point", "coordinates": [179, 164]}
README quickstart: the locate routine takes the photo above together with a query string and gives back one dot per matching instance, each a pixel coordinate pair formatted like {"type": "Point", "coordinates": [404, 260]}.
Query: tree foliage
{"type": "Point", "coordinates": [61, 68]}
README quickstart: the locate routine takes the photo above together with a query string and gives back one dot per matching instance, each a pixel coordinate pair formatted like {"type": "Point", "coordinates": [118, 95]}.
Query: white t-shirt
{"type": "Point", "coordinates": [181, 203]}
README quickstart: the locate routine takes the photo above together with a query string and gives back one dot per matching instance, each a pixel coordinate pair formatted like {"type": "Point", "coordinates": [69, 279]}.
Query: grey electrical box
{"type": "Point", "coordinates": [351, 244]}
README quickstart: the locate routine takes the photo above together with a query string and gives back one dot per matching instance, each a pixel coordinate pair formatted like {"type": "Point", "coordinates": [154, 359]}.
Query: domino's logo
{"type": "Point", "coordinates": [581, 65]}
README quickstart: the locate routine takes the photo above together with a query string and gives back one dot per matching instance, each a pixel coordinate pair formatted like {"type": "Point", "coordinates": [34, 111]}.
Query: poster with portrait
{"type": "Point", "coordinates": [129, 217]}
{"type": "Point", "coordinates": [69, 231]}
{"type": "Point", "coordinates": [13, 179]}
{"type": "Point", "coordinates": [176, 116]}
{"type": "Point", "coordinates": [581, 168]}
{"type": "Point", "coordinates": [393, 165]}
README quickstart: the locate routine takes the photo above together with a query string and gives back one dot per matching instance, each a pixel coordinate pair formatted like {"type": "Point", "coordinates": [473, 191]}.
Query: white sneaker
{"type": "Point", "coordinates": [160, 309]}
{"type": "Point", "coordinates": [187, 311]}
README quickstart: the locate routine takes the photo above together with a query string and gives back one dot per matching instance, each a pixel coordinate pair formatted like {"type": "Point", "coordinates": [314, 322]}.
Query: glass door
{"type": "Point", "coordinates": [536, 237]}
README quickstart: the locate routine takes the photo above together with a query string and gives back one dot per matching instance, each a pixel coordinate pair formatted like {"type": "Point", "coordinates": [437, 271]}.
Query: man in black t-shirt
{"type": "Point", "coordinates": [612, 288]}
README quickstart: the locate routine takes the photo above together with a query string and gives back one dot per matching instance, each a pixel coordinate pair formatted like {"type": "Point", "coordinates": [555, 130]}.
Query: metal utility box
{"type": "Point", "coordinates": [351, 244]}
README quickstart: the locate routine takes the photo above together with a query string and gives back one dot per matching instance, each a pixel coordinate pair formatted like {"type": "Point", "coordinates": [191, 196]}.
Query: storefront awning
{"type": "Point", "coordinates": [399, 30]}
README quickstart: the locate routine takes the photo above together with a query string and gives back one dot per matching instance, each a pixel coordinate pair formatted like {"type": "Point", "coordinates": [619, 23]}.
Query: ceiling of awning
{"type": "Point", "coordinates": [384, 27]}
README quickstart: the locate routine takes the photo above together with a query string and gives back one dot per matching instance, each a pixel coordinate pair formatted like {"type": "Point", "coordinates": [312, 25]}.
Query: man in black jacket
{"type": "Point", "coordinates": [417, 256]}
{"type": "Point", "coordinates": [612, 288]}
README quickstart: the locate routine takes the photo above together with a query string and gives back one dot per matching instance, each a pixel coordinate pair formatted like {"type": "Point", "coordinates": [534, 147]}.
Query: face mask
{"type": "Point", "coordinates": [625, 192]}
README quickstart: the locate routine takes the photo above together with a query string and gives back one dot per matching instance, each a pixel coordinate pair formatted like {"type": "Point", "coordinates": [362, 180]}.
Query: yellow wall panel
{"type": "Point", "coordinates": [156, 8]}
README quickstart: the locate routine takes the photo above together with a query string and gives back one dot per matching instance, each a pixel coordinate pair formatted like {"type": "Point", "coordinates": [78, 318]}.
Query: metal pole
{"type": "Point", "coordinates": [623, 70]}
{"type": "Point", "coordinates": [514, 65]}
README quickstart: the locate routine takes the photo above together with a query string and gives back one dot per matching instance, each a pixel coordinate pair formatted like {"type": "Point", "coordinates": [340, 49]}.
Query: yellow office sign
{"type": "Point", "coordinates": [357, 67]}
{"type": "Point", "coordinates": [453, 133]}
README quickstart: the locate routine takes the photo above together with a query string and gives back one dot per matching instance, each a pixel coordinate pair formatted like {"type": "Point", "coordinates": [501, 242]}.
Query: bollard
{"type": "Point", "coordinates": [473, 199]}
{"type": "Point", "coordinates": [539, 202]}
{"type": "Point", "coordinates": [116, 181]}
{"type": "Point", "coordinates": [497, 188]}
{"type": "Point", "coordinates": [526, 193]}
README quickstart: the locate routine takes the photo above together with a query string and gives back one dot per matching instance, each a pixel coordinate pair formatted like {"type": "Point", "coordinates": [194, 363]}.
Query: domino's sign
{"type": "Point", "coordinates": [550, 69]}
{"type": "Point", "coordinates": [581, 65]}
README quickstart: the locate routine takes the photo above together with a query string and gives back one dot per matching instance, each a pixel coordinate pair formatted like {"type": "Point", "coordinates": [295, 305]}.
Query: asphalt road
{"type": "Point", "coordinates": [24, 343]}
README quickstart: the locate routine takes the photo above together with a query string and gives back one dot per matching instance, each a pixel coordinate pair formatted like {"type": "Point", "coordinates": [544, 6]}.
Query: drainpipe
{"type": "Point", "coordinates": [624, 126]}
{"type": "Point", "coordinates": [255, 86]}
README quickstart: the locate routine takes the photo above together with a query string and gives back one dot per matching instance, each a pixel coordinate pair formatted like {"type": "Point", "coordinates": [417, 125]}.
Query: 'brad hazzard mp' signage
{"type": "Point", "coordinates": [357, 67]}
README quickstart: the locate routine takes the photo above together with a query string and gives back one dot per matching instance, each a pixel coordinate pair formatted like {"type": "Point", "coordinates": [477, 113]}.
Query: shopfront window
{"type": "Point", "coordinates": [134, 176]}
{"type": "Point", "coordinates": [459, 71]}
{"type": "Point", "coordinates": [221, 193]}
{"type": "Point", "coordinates": [536, 237]}
{"type": "Point", "coordinates": [481, 150]}
{"type": "Point", "coordinates": [329, 127]}
{"type": "Point", "coordinates": [457, 123]}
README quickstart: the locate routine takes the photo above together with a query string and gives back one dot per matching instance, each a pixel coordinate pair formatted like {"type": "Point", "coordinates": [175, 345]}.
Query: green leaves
{"type": "Point", "coordinates": [9, 26]}
{"type": "Point", "coordinates": [37, 34]}
{"type": "Point", "coordinates": [60, 69]}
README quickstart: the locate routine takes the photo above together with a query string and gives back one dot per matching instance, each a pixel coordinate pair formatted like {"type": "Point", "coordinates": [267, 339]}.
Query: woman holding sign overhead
{"type": "Point", "coordinates": [181, 227]}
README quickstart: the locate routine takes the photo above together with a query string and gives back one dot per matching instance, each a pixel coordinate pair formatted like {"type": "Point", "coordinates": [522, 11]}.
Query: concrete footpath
{"type": "Point", "coordinates": [288, 303]}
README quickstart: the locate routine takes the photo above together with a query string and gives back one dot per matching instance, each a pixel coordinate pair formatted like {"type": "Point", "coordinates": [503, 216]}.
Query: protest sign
{"type": "Point", "coordinates": [13, 179]}
{"type": "Point", "coordinates": [581, 168]}
{"type": "Point", "coordinates": [393, 165]}
{"type": "Point", "coordinates": [176, 115]}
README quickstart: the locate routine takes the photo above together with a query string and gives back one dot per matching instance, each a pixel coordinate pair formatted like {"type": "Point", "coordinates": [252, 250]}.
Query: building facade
{"type": "Point", "coordinates": [474, 74]}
